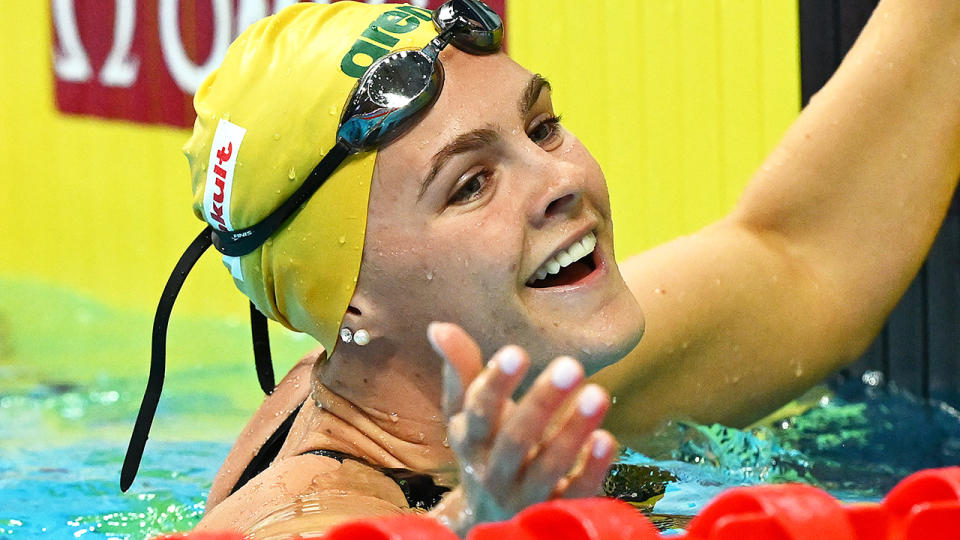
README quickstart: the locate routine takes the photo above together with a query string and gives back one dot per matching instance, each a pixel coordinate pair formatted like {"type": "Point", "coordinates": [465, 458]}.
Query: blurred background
{"type": "Point", "coordinates": [679, 100]}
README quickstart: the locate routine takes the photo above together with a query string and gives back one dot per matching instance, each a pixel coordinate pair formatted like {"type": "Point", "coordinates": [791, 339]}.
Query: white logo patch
{"type": "Point", "coordinates": [216, 195]}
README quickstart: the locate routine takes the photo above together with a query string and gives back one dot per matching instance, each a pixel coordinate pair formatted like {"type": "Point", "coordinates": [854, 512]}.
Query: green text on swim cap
{"type": "Point", "coordinates": [401, 20]}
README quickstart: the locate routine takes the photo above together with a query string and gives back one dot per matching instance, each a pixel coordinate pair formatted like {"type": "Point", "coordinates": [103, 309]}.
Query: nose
{"type": "Point", "coordinates": [563, 198]}
{"type": "Point", "coordinates": [566, 203]}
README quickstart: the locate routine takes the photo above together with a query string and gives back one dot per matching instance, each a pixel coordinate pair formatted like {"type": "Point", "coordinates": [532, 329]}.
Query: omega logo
{"type": "Point", "coordinates": [122, 66]}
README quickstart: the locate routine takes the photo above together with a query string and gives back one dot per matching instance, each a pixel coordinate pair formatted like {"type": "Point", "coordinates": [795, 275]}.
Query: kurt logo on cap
{"type": "Point", "coordinates": [216, 196]}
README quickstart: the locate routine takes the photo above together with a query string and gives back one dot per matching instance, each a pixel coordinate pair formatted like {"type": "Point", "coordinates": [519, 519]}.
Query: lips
{"type": "Point", "coordinates": [567, 266]}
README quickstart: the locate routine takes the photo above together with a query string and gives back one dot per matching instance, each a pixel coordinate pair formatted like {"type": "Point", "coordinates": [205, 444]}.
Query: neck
{"type": "Point", "coordinates": [390, 400]}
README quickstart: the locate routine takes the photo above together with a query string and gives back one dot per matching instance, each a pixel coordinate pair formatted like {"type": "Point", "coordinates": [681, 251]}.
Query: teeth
{"type": "Point", "coordinates": [575, 252]}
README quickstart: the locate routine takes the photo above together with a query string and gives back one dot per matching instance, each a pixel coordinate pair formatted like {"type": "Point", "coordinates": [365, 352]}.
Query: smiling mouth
{"type": "Point", "coordinates": [569, 266]}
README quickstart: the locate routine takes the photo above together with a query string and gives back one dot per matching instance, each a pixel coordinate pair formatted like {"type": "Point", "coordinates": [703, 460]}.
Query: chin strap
{"type": "Point", "coordinates": [158, 354]}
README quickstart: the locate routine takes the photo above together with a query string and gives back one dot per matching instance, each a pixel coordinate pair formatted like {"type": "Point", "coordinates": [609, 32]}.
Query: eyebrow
{"type": "Point", "coordinates": [532, 93]}
{"type": "Point", "coordinates": [465, 142]}
{"type": "Point", "coordinates": [479, 138]}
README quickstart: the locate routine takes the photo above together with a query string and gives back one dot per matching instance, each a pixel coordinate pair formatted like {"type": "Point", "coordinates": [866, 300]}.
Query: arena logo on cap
{"type": "Point", "coordinates": [376, 41]}
{"type": "Point", "coordinates": [220, 168]}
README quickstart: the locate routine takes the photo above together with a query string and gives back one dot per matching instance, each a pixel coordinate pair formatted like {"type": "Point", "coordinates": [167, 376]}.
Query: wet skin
{"type": "Point", "coordinates": [462, 247]}
{"type": "Point", "coordinates": [795, 282]}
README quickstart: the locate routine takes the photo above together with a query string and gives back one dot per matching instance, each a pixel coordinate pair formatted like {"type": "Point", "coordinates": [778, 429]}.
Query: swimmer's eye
{"type": "Point", "coordinates": [471, 189]}
{"type": "Point", "coordinates": [547, 132]}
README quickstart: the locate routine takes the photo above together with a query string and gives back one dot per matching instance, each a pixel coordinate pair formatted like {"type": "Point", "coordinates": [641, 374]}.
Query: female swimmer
{"type": "Point", "coordinates": [480, 209]}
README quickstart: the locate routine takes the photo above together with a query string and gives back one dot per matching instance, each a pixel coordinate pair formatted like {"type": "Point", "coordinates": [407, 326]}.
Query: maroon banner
{"type": "Point", "coordinates": [141, 60]}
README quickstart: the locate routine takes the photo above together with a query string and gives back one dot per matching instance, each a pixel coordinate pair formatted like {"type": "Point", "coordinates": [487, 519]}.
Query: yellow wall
{"type": "Point", "coordinates": [678, 99]}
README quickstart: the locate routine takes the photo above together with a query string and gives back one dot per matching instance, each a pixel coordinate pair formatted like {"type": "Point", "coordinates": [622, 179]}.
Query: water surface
{"type": "Point", "coordinates": [72, 373]}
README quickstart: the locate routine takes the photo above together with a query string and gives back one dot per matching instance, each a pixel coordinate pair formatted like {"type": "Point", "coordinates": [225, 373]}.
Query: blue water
{"type": "Point", "coordinates": [68, 401]}
{"type": "Point", "coordinates": [58, 479]}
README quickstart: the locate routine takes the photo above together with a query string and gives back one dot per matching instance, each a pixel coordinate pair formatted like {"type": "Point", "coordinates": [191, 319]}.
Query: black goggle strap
{"type": "Point", "coordinates": [158, 353]}
{"type": "Point", "coordinates": [233, 243]}
{"type": "Point", "coordinates": [243, 241]}
{"type": "Point", "coordinates": [437, 44]}
{"type": "Point", "coordinates": [261, 349]}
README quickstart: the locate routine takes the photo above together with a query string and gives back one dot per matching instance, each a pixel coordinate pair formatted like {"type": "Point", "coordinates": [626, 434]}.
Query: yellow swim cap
{"type": "Point", "coordinates": [265, 118]}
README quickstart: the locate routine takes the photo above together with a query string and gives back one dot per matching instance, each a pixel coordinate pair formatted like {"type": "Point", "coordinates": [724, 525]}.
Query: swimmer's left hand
{"type": "Point", "coordinates": [514, 454]}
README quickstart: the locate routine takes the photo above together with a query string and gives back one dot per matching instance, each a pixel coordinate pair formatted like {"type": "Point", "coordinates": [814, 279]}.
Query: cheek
{"type": "Point", "coordinates": [596, 183]}
{"type": "Point", "coordinates": [458, 273]}
{"type": "Point", "coordinates": [474, 257]}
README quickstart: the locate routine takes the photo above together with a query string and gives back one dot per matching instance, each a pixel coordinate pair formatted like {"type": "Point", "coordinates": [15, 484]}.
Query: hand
{"type": "Point", "coordinates": [512, 455]}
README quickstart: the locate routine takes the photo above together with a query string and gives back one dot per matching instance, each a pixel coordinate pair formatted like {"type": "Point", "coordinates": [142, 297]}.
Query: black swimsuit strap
{"type": "Point", "coordinates": [419, 489]}
{"type": "Point", "coordinates": [268, 452]}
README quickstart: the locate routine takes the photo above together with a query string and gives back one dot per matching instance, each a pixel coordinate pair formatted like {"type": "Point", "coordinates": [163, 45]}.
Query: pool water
{"type": "Point", "coordinates": [72, 373]}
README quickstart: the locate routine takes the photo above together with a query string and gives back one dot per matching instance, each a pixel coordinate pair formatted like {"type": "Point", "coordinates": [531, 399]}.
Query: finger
{"type": "Point", "coordinates": [559, 455]}
{"type": "Point", "coordinates": [463, 361]}
{"type": "Point", "coordinates": [600, 451]}
{"type": "Point", "coordinates": [484, 402]}
{"type": "Point", "coordinates": [524, 428]}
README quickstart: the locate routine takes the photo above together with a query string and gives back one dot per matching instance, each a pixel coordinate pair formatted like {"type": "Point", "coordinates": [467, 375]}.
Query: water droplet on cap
{"type": "Point", "coordinates": [292, 175]}
{"type": "Point", "coordinates": [276, 136]}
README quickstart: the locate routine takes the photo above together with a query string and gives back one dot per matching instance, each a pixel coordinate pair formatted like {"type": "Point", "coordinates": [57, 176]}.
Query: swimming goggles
{"type": "Point", "coordinates": [387, 100]}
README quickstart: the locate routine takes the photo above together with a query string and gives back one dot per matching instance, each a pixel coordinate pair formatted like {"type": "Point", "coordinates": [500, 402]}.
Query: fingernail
{"type": "Point", "coordinates": [431, 329]}
{"type": "Point", "coordinates": [508, 361]}
{"type": "Point", "coordinates": [601, 447]}
{"type": "Point", "coordinates": [565, 373]}
{"type": "Point", "coordinates": [590, 401]}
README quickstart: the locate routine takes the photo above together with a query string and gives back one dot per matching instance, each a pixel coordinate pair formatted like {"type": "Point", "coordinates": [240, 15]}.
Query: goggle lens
{"type": "Point", "coordinates": [399, 86]}
{"type": "Point", "coordinates": [475, 27]}
{"type": "Point", "coordinates": [400, 79]}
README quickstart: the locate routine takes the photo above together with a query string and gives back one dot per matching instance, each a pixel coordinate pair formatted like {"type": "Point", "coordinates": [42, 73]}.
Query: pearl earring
{"type": "Point", "coordinates": [360, 337]}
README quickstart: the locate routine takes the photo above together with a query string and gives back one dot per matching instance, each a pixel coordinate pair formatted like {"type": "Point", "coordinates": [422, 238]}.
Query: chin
{"type": "Point", "coordinates": [596, 354]}
{"type": "Point", "coordinates": [596, 342]}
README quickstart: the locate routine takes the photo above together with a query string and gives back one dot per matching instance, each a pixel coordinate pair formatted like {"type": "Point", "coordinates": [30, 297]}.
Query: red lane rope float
{"type": "Point", "coordinates": [923, 506]}
{"type": "Point", "coordinates": [788, 512]}
{"type": "Point", "coordinates": [580, 519]}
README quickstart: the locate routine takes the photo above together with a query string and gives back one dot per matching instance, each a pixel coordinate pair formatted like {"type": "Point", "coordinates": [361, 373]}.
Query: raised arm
{"type": "Point", "coordinates": [799, 278]}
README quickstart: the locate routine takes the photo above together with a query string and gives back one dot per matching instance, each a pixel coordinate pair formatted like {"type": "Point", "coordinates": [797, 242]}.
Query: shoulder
{"type": "Point", "coordinates": [305, 495]}
{"type": "Point", "coordinates": [292, 391]}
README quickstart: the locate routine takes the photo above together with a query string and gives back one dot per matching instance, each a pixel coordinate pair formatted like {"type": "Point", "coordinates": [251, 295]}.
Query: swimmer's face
{"type": "Point", "coordinates": [469, 204]}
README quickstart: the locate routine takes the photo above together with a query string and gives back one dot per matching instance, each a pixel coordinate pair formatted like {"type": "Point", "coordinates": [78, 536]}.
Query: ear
{"type": "Point", "coordinates": [361, 318]}
{"type": "Point", "coordinates": [360, 312]}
